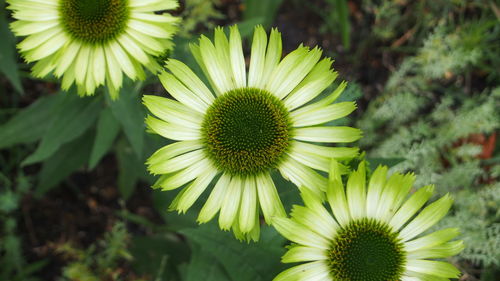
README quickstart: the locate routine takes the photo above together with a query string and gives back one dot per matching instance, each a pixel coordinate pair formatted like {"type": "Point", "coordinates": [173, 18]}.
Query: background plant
{"type": "Point", "coordinates": [424, 75]}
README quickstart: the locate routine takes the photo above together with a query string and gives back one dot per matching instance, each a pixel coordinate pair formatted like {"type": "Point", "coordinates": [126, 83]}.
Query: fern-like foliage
{"type": "Point", "coordinates": [444, 122]}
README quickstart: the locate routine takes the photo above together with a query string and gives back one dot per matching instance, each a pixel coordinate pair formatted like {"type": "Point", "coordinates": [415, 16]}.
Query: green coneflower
{"type": "Point", "coordinates": [245, 127]}
{"type": "Point", "coordinates": [92, 42]}
{"type": "Point", "coordinates": [372, 234]}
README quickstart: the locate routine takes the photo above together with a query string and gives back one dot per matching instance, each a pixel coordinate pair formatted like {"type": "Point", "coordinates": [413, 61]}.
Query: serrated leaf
{"type": "Point", "coordinates": [65, 161]}
{"type": "Point", "coordinates": [8, 54]}
{"type": "Point", "coordinates": [29, 124]}
{"type": "Point", "coordinates": [107, 130]}
{"type": "Point", "coordinates": [128, 110]}
{"type": "Point", "coordinates": [74, 117]}
{"type": "Point", "coordinates": [243, 262]}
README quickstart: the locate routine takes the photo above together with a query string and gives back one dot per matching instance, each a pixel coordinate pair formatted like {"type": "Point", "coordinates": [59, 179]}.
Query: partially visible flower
{"type": "Point", "coordinates": [246, 127]}
{"type": "Point", "coordinates": [372, 234]}
{"type": "Point", "coordinates": [92, 42]}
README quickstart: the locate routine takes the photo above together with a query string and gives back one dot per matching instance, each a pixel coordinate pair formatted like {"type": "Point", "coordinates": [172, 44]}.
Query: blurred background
{"type": "Point", "coordinates": [75, 198]}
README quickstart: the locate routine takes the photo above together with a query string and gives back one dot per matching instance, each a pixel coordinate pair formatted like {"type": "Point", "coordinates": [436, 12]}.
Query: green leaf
{"type": "Point", "coordinates": [73, 117]}
{"type": "Point", "coordinates": [129, 111]}
{"type": "Point", "coordinates": [29, 124]}
{"type": "Point", "coordinates": [65, 161]}
{"type": "Point", "coordinates": [265, 10]}
{"type": "Point", "coordinates": [8, 201]}
{"type": "Point", "coordinates": [8, 54]}
{"type": "Point", "coordinates": [389, 162]}
{"type": "Point", "coordinates": [107, 130]}
{"type": "Point", "coordinates": [158, 255]}
{"type": "Point", "coordinates": [247, 27]}
{"type": "Point", "coordinates": [340, 7]}
{"type": "Point", "coordinates": [130, 169]}
{"type": "Point", "coordinates": [204, 266]}
{"type": "Point", "coordinates": [243, 262]}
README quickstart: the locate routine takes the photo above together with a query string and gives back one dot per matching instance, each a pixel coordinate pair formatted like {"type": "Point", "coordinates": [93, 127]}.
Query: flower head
{"type": "Point", "coordinates": [92, 42]}
{"type": "Point", "coordinates": [372, 234]}
{"type": "Point", "coordinates": [245, 127]}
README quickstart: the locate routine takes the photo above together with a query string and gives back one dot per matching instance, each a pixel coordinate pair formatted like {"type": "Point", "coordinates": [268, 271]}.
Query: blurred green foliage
{"type": "Point", "coordinates": [439, 111]}
{"type": "Point", "coordinates": [436, 114]}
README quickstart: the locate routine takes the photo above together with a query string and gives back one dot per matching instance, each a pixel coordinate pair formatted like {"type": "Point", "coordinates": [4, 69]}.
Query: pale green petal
{"type": "Point", "coordinates": [149, 44]}
{"type": "Point", "coordinates": [196, 51]}
{"type": "Point", "coordinates": [298, 233]}
{"type": "Point", "coordinates": [99, 72]}
{"type": "Point", "coordinates": [190, 80]}
{"type": "Point", "coordinates": [437, 268]}
{"type": "Point", "coordinates": [318, 162]}
{"type": "Point", "coordinates": [215, 200]}
{"type": "Point", "coordinates": [302, 175]}
{"type": "Point", "coordinates": [237, 58]}
{"type": "Point", "coordinates": [291, 274]}
{"type": "Point", "coordinates": [375, 189]}
{"type": "Point", "coordinates": [327, 134]}
{"type": "Point", "coordinates": [316, 271]}
{"type": "Point", "coordinates": [169, 151]}
{"type": "Point", "coordinates": [22, 28]}
{"type": "Point", "coordinates": [231, 203]}
{"type": "Point", "coordinates": [257, 58]}
{"type": "Point", "coordinates": [173, 111]}
{"type": "Point", "coordinates": [35, 40]}
{"type": "Point", "coordinates": [154, 18]}
{"type": "Point", "coordinates": [336, 195]}
{"type": "Point", "coordinates": [328, 152]}
{"type": "Point", "coordinates": [409, 278]}
{"type": "Point", "coordinates": [410, 207]}
{"type": "Point", "coordinates": [47, 48]}
{"type": "Point", "coordinates": [215, 69]}
{"type": "Point", "coordinates": [68, 78]}
{"type": "Point", "coordinates": [317, 115]}
{"type": "Point", "coordinates": [177, 163]}
{"type": "Point", "coordinates": [269, 199]}
{"type": "Point", "coordinates": [301, 253]}
{"type": "Point", "coordinates": [252, 235]}
{"type": "Point", "coordinates": [223, 56]}
{"type": "Point", "coordinates": [194, 190]}
{"type": "Point", "coordinates": [158, 4]}
{"type": "Point", "coordinates": [132, 48]}
{"type": "Point", "coordinates": [273, 56]}
{"type": "Point", "coordinates": [148, 28]}
{"type": "Point", "coordinates": [67, 57]}
{"type": "Point", "coordinates": [320, 77]}
{"type": "Point", "coordinates": [43, 67]}
{"type": "Point", "coordinates": [248, 205]}
{"type": "Point", "coordinates": [356, 192]}
{"type": "Point", "coordinates": [427, 218]}
{"type": "Point", "coordinates": [437, 252]}
{"type": "Point", "coordinates": [287, 77]}
{"type": "Point", "coordinates": [432, 239]}
{"type": "Point", "coordinates": [172, 131]}
{"type": "Point", "coordinates": [113, 70]}
{"type": "Point", "coordinates": [182, 93]}
{"type": "Point", "coordinates": [395, 191]}
{"type": "Point", "coordinates": [176, 180]}
{"type": "Point", "coordinates": [334, 95]}
{"type": "Point", "coordinates": [82, 62]}
{"type": "Point", "coordinates": [425, 277]}
{"type": "Point", "coordinates": [309, 219]}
